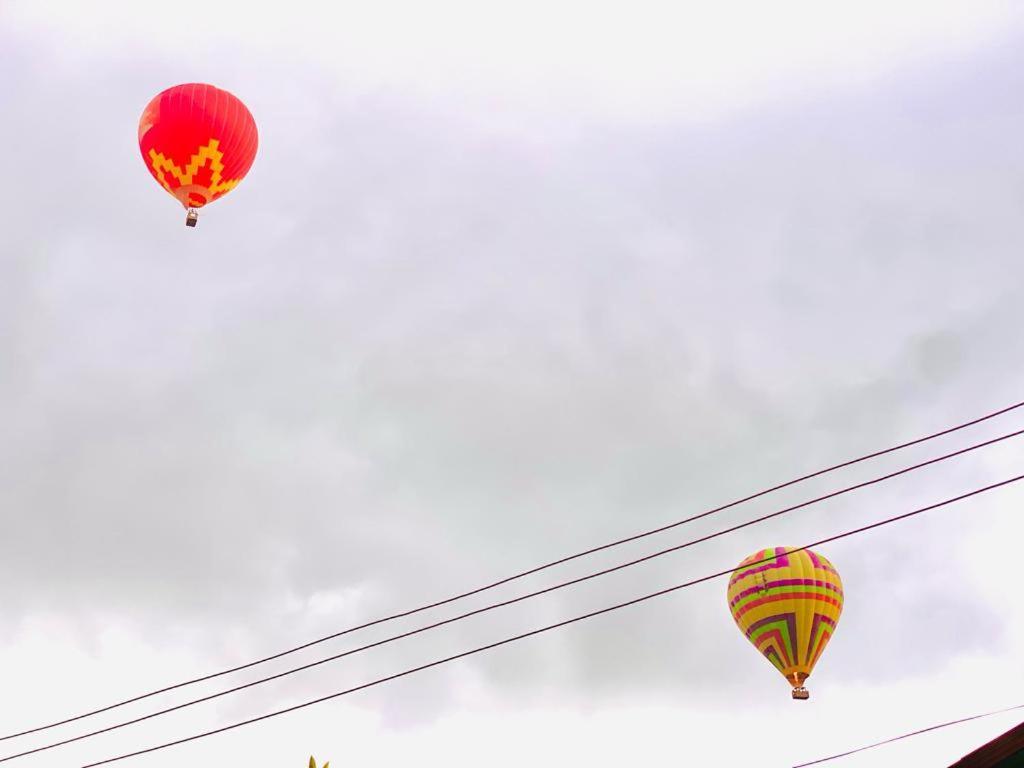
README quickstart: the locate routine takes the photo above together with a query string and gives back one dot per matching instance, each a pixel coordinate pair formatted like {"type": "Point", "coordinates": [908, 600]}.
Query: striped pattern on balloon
{"type": "Point", "coordinates": [787, 603]}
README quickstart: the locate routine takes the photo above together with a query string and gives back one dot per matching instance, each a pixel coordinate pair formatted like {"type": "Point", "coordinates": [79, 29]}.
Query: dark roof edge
{"type": "Point", "coordinates": [1000, 748]}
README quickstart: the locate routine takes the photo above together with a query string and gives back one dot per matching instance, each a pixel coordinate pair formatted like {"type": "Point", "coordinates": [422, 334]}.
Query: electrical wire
{"type": "Point", "coordinates": [908, 735]}
{"type": "Point", "coordinates": [549, 627]}
{"type": "Point", "coordinates": [521, 598]}
{"type": "Point", "coordinates": [514, 577]}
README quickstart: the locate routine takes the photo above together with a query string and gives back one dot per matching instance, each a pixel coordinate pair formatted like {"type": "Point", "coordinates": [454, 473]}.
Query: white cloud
{"type": "Point", "coordinates": [645, 60]}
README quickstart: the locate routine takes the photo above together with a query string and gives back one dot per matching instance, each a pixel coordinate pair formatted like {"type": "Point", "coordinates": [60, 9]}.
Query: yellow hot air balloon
{"type": "Point", "coordinates": [787, 604]}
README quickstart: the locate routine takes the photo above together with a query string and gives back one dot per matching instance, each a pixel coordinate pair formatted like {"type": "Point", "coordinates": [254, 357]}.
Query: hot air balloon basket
{"type": "Point", "coordinates": [801, 694]}
{"type": "Point", "coordinates": [192, 217]}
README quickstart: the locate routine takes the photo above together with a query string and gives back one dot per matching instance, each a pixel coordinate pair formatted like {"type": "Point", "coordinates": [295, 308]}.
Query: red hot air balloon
{"type": "Point", "coordinates": [198, 141]}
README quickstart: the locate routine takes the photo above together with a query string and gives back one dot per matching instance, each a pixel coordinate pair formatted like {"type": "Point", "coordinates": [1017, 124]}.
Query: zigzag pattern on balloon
{"type": "Point", "coordinates": [821, 632]}
{"type": "Point", "coordinates": [209, 157]}
{"type": "Point", "coordinates": [775, 637]}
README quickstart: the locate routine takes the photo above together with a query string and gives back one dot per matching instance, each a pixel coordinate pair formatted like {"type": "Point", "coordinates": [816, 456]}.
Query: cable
{"type": "Point", "coordinates": [550, 627]}
{"type": "Point", "coordinates": [908, 735]}
{"type": "Point", "coordinates": [511, 601]}
{"type": "Point", "coordinates": [517, 576]}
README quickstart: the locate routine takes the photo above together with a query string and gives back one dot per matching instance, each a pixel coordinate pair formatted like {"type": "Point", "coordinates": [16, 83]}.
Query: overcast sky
{"type": "Point", "coordinates": [506, 282]}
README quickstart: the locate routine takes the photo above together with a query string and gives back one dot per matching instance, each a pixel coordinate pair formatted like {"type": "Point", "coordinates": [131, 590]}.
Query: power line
{"type": "Point", "coordinates": [908, 735]}
{"type": "Point", "coordinates": [520, 575]}
{"type": "Point", "coordinates": [549, 627]}
{"type": "Point", "coordinates": [521, 598]}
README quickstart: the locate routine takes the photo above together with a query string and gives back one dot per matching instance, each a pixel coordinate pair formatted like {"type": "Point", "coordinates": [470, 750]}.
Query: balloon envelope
{"type": "Point", "coordinates": [198, 142]}
{"type": "Point", "coordinates": [788, 607]}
